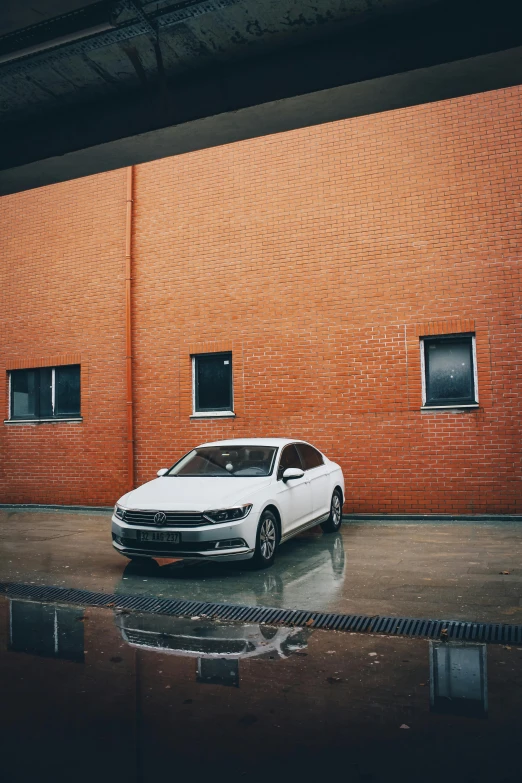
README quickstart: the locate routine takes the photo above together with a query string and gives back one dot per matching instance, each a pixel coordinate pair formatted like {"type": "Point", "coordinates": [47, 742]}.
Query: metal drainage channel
{"type": "Point", "coordinates": [494, 633]}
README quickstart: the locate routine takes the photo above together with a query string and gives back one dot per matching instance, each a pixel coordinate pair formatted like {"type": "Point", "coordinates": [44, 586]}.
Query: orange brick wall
{"type": "Point", "coordinates": [62, 284]}
{"type": "Point", "coordinates": [319, 257]}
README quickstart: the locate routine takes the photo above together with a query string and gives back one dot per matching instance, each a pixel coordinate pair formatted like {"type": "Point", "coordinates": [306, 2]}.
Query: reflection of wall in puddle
{"type": "Point", "coordinates": [131, 706]}
{"type": "Point", "coordinates": [71, 714]}
{"type": "Point", "coordinates": [4, 624]}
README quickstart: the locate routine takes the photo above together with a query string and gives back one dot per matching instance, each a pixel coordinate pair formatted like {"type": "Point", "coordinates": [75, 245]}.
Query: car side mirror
{"type": "Point", "coordinates": [162, 472]}
{"type": "Point", "coordinates": [292, 473]}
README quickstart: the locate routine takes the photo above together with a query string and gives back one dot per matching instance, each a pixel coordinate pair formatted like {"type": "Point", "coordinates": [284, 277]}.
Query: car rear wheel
{"type": "Point", "coordinates": [266, 541]}
{"type": "Point", "coordinates": [333, 523]}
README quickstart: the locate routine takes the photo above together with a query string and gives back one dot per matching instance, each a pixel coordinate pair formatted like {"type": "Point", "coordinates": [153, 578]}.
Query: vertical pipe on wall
{"type": "Point", "coordinates": [128, 328]}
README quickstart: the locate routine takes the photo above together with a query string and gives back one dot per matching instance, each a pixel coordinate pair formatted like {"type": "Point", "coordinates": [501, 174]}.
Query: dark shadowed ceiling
{"type": "Point", "coordinates": [86, 86]}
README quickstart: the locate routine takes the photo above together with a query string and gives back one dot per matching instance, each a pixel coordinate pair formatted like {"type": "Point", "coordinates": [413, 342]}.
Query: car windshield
{"type": "Point", "coordinates": [240, 461]}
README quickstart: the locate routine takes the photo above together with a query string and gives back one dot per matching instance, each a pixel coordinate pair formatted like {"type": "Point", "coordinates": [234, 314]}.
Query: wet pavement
{"type": "Point", "coordinates": [95, 694]}
{"type": "Point", "coordinates": [456, 571]}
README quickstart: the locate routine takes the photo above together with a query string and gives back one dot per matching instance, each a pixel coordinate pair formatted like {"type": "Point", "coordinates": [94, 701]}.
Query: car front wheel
{"type": "Point", "coordinates": [266, 541]}
{"type": "Point", "coordinates": [333, 523]}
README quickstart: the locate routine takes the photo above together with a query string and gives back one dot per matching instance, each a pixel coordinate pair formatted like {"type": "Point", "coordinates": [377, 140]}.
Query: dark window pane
{"type": "Point", "coordinates": [67, 391]}
{"type": "Point", "coordinates": [220, 671]}
{"type": "Point", "coordinates": [289, 459]}
{"type": "Point", "coordinates": [459, 679]}
{"type": "Point", "coordinates": [449, 371]}
{"type": "Point", "coordinates": [310, 457]}
{"type": "Point", "coordinates": [23, 394]}
{"type": "Point", "coordinates": [45, 393]}
{"type": "Point", "coordinates": [32, 393]}
{"type": "Point", "coordinates": [214, 382]}
{"type": "Point", "coordinates": [32, 628]}
{"type": "Point", "coordinates": [46, 629]}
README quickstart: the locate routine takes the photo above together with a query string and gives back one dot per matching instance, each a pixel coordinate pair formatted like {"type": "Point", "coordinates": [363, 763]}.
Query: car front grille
{"type": "Point", "coordinates": [186, 547]}
{"type": "Point", "coordinates": [165, 519]}
{"type": "Point", "coordinates": [189, 644]}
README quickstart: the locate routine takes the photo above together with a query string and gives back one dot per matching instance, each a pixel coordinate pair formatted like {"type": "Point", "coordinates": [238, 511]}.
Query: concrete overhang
{"type": "Point", "coordinates": [422, 52]}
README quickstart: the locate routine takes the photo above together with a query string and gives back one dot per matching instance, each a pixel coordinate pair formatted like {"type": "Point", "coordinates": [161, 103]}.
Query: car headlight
{"type": "Point", "coordinates": [119, 512]}
{"type": "Point", "coordinates": [229, 514]}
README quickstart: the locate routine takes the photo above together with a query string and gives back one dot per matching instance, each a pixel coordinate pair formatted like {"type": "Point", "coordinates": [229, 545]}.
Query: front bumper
{"type": "Point", "coordinates": [201, 543]}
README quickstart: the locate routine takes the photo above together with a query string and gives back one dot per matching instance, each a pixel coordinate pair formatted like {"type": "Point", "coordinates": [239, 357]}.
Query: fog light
{"type": "Point", "coordinates": [230, 543]}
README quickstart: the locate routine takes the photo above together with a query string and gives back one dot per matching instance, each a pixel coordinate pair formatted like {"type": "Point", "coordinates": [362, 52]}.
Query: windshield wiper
{"type": "Point", "coordinates": [204, 475]}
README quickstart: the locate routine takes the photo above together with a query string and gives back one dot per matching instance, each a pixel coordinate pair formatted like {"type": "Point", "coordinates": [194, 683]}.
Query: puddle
{"type": "Point", "coordinates": [108, 695]}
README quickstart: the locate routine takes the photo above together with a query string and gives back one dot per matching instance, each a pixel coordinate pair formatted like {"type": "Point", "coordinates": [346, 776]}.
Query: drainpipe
{"type": "Point", "coordinates": [128, 329]}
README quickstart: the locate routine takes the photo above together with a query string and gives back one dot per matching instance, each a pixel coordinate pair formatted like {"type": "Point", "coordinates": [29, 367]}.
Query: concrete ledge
{"type": "Point", "coordinates": [373, 518]}
{"type": "Point", "coordinates": [416, 518]}
{"type": "Point", "coordinates": [43, 507]}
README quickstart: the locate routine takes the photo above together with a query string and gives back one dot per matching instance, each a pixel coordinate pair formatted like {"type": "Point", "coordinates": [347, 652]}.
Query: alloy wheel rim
{"type": "Point", "coordinates": [336, 510]}
{"type": "Point", "coordinates": [267, 538]}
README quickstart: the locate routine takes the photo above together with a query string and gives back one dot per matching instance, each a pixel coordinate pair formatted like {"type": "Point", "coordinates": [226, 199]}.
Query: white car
{"type": "Point", "coordinates": [231, 500]}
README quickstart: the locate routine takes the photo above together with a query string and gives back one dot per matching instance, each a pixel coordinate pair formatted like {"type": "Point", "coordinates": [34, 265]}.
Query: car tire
{"type": "Point", "coordinates": [333, 523]}
{"type": "Point", "coordinates": [267, 539]}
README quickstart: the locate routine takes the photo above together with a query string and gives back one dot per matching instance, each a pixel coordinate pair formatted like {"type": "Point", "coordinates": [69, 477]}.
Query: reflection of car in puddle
{"type": "Point", "coordinates": [309, 574]}
{"type": "Point", "coordinates": [217, 647]}
{"type": "Point", "coordinates": [200, 638]}
{"type": "Point", "coordinates": [314, 578]}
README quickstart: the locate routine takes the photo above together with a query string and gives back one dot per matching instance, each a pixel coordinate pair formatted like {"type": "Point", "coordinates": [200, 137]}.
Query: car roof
{"type": "Point", "coordinates": [252, 442]}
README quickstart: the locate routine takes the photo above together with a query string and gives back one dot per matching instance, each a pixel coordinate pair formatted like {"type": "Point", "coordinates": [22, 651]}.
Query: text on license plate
{"type": "Point", "coordinates": [153, 535]}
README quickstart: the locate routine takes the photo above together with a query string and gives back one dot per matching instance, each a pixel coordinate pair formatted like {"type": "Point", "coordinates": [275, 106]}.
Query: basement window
{"type": "Point", "coordinates": [449, 371]}
{"type": "Point", "coordinates": [212, 384]}
{"type": "Point", "coordinates": [45, 393]}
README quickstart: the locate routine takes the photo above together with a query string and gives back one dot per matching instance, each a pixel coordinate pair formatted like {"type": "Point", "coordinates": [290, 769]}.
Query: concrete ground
{"type": "Point", "coordinates": [466, 571]}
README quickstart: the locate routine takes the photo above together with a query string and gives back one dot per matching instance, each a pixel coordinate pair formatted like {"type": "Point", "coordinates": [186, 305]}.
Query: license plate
{"type": "Point", "coordinates": [156, 535]}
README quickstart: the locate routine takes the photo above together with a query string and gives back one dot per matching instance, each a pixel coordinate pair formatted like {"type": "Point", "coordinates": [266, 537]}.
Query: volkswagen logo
{"type": "Point", "coordinates": [160, 518]}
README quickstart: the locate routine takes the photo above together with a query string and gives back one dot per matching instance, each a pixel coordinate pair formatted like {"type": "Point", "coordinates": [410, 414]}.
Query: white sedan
{"type": "Point", "coordinates": [231, 500]}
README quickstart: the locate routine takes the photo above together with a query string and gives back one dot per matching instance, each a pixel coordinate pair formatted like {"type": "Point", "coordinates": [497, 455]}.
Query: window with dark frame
{"type": "Point", "coordinates": [45, 393]}
{"type": "Point", "coordinates": [213, 382]}
{"type": "Point", "coordinates": [449, 370]}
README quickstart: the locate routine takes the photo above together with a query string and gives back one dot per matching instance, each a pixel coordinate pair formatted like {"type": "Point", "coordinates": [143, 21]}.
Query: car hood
{"type": "Point", "coordinates": [179, 493]}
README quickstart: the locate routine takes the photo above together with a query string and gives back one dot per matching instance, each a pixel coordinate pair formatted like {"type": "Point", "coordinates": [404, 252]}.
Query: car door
{"type": "Point", "coordinates": [294, 497]}
{"type": "Point", "coordinates": [318, 476]}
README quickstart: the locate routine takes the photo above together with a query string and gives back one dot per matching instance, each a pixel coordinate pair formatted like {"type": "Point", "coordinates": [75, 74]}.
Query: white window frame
{"type": "Point", "coordinates": [475, 375]}
{"type": "Point", "coordinates": [52, 420]}
{"type": "Point", "coordinates": [210, 414]}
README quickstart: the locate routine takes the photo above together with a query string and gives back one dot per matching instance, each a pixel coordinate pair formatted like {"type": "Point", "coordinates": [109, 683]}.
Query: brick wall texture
{"type": "Point", "coordinates": [319, 257]}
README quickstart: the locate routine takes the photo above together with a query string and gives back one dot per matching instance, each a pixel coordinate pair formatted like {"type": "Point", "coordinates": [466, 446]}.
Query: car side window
{"type": "Point", "coordinates": [289, 459]}
{"type": "Point", "coordinates": [310, 457]}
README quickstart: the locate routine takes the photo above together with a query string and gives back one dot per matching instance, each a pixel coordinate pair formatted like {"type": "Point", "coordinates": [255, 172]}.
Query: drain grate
{"type": "Point", "coordinates": [494, 633]}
